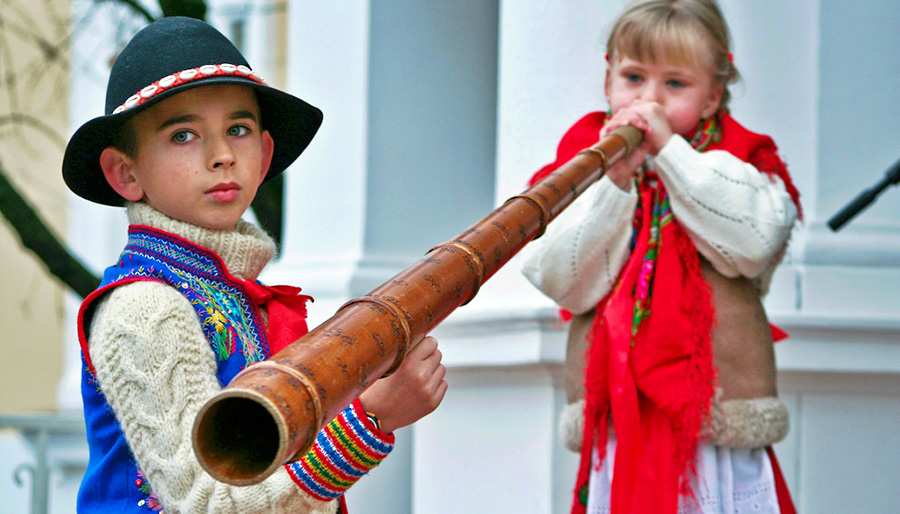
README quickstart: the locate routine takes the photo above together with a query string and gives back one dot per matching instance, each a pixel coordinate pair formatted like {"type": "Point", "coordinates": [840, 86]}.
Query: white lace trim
{"type": "Point", "coordinates": [732, 481]}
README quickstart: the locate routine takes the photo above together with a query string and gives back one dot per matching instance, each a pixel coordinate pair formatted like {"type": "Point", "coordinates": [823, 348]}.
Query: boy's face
{"type": "Point", "coordinates": [201, 155]}
{"type": "Point", "coordinates": [686, 93]}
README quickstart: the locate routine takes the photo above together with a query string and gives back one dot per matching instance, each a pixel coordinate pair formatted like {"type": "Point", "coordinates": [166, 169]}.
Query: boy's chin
{"type": "Point", "coordinates": [219, 222]}
{"type": "Point", "coordinates": [214, 220]}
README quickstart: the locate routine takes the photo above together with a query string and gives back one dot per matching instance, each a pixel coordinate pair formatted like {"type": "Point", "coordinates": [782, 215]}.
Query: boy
{"type": "Point", "coordinates": [189, 135]}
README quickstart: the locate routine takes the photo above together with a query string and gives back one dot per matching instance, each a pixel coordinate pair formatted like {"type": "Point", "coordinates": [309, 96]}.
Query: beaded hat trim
{"type": "Point", "coordinates": [185, 76]}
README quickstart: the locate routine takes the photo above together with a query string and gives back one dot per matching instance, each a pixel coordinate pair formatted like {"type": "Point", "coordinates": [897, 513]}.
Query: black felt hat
{"type": "Point", "coordinates": [166, 57]}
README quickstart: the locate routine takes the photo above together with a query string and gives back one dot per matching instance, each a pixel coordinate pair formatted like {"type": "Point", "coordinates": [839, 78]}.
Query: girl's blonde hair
{"type": "Point", "coordinates": [692, 32]}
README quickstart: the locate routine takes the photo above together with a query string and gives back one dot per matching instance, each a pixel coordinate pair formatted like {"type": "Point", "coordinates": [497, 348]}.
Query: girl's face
{"type": "Point", "coordinates": [687, 93]}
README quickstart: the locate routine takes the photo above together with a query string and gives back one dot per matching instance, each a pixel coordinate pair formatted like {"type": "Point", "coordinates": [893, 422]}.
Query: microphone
{"type": "Point", "coordinates": [892, 176]}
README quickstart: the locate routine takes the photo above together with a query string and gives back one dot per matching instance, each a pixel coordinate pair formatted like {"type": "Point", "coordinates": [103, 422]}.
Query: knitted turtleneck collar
{"type": "Point", "coordinates": [244, 250]}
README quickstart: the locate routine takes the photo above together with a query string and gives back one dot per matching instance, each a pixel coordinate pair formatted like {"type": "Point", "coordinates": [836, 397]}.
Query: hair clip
{"type": "Point", "coordinates": [730, 58]}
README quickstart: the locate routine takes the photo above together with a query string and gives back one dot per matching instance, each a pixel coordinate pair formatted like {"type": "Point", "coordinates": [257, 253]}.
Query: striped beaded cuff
{"type": "Point", "coordinates": [345, 450]}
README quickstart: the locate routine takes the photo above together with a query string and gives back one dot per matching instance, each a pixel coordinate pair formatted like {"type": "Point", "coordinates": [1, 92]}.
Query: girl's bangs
{"type": "Point", "coordinates": [656, 41]}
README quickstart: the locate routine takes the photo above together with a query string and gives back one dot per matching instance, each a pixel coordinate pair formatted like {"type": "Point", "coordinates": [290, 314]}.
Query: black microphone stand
{"type": "Point", "coordinates": [865, 198]}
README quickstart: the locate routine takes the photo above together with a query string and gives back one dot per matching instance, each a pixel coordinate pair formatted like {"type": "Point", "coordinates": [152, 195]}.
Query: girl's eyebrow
{"type": "Point", "coordinates": [681, 74]}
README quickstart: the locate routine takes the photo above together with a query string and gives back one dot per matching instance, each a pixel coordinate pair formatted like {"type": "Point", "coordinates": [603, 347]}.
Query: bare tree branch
{"type": "Point", "coordinates": [24, 119]}
{"type": "Point", "coordinates": [36, 237]}
{"type": "Point", "coordinates": [138, 8]}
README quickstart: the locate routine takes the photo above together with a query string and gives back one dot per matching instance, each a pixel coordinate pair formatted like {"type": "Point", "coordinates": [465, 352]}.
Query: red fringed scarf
{"type": "Point", "coordinates": [649, 364]}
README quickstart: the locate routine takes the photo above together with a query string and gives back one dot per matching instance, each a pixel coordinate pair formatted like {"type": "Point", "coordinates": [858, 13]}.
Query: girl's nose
{"type": "Point", "coordinates": [650, 93]}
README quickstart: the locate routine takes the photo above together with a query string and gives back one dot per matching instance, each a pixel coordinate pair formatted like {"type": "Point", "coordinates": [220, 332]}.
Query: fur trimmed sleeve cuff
{"type": "Point", "coordinates": [571, 425]}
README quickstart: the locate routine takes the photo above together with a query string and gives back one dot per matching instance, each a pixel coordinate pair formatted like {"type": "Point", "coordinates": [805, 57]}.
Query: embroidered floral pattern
{"type": "Point", "coordinates": [150, 501]}
{"type": "Point", "coordinates": [156, 243]}
{"type": "Point", "coordinates": [709, 132]}
{"type": "Point", "coordinates": [221, 306]}
{"type": "Point", "coordinates": [225, 322]}
{"type": "Point", "coordinates": [661, 216]}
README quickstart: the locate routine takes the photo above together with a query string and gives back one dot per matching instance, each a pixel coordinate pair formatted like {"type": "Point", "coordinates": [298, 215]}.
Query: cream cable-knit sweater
{"type": "Point", "coordinates": [157, 369]}
{"type": "Point", "coordinates": [738, 218]}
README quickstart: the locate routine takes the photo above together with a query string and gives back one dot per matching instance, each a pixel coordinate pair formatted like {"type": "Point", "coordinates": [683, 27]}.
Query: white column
{"type": "Point", "coordinates": [325, 204]}
{"type": "Point", "coordinates": [493, 445]}
{"type": "Point", "coordinates": [551, 71]}
{"type": "Point", "coordinates": [325, 188]}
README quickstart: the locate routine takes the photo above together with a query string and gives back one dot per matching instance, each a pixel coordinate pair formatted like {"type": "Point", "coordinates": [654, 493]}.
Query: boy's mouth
{"type": "Point", "coordinates": [224, 192]}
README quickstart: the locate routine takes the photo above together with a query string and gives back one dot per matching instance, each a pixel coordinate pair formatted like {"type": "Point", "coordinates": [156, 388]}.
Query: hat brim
{"type": "Point", "coordinates": [291, 121]}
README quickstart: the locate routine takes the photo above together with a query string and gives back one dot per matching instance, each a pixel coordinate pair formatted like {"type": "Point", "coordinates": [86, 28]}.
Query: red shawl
{"type": "Point", "coordinates": [650, 364]}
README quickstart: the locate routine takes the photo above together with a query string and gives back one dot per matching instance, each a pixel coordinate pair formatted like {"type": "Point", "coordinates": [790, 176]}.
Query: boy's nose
{"type": "Point", "coordinates": [221, 155]}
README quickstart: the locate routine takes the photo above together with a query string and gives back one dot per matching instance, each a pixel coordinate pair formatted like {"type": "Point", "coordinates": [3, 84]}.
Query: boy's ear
{"type": "Point", "coordinates": [268, 150]}
{"type": "Point", "coordinates": [117, 168]}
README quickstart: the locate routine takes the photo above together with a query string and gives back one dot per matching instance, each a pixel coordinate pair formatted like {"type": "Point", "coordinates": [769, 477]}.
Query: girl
{"type": "Point", "coordinates": [669, 254]}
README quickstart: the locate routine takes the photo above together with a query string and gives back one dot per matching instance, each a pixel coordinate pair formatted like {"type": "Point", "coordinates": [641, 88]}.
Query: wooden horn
{"type": "Point", "coordinates": [270, 413]}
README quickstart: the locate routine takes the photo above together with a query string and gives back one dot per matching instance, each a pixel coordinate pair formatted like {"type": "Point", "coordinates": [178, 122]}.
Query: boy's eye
{"type": "Point", "coordinates": [676, 83]}
{"type": "Point", "coordinates": [183, 136]}
{"type": "Point", "coordinates": [632, 77]}
{"type": "Point", "coordinates": [238, 130]}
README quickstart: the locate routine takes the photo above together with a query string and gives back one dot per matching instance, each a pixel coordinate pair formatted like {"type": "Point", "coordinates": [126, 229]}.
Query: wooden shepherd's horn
{"type": "Point", "coordinates": [270, 413]}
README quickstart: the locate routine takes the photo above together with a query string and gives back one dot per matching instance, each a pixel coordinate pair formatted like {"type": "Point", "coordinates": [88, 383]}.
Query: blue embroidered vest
{"type": "Point", "coordinates": [230, 321]}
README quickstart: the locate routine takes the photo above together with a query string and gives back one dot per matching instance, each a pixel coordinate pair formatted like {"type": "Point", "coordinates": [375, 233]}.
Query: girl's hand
{"type": "Point", "coordinates": [624, 170]}
{"type": "Point", "coordinates": [659, 131]}
{"type": "Point", "coordinates": [411, 392]}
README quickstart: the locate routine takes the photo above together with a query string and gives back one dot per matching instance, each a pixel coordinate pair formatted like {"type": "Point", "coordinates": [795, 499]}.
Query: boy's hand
{"type": "Point", "coordinates": [411, 392]}
{"type": "Point", "coordinates": [623, 171]}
